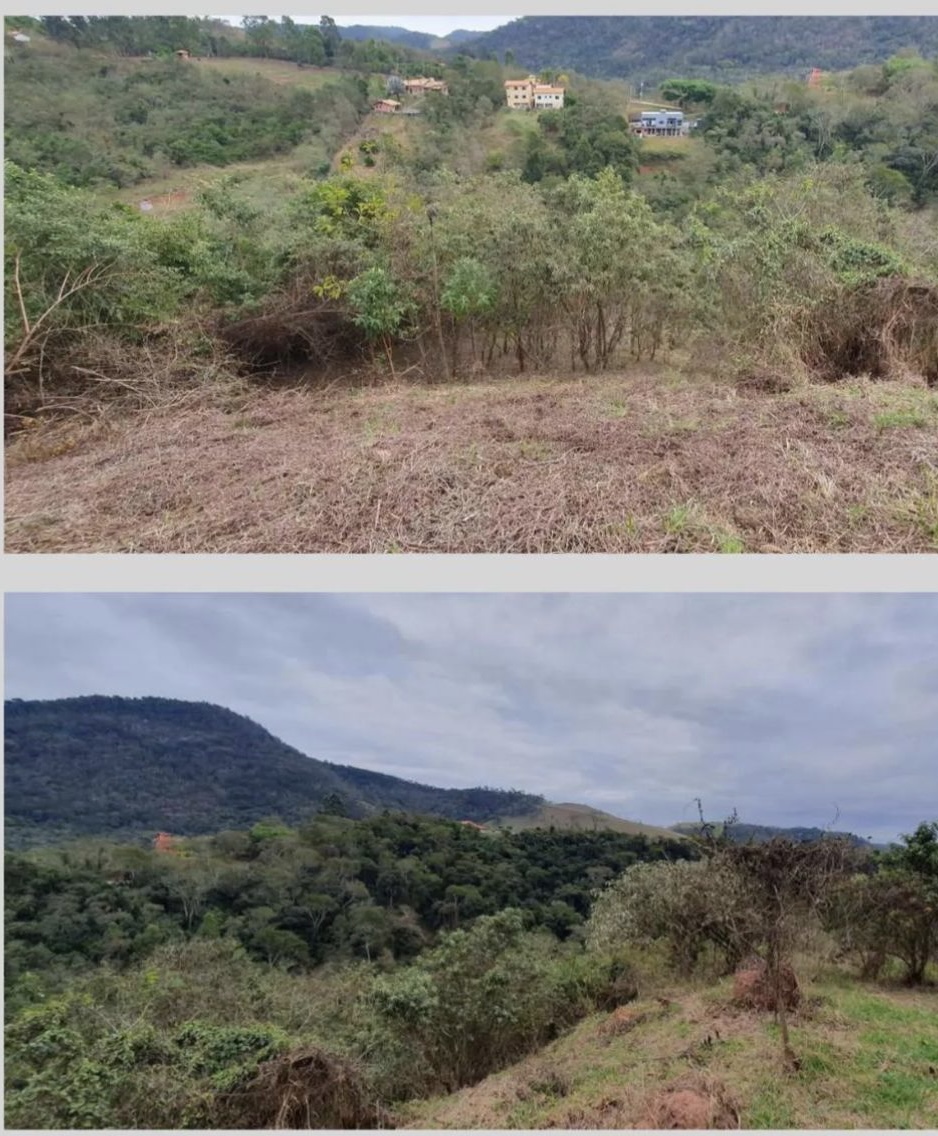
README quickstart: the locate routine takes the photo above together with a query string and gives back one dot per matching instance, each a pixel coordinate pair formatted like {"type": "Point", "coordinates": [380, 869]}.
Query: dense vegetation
{"type": "Point", "coordinates": [257, 37]}
{"type": "Point", "coordinates": [87, 119]}
{"type": "Point", "coordinates": [451, 927]}
{"type": "Point", "coordinates": [792, 226]}
{"type": "Point", "coordinates": [878, 907]}
{"type": "Point", "coordinates": [131, 766]}
{"type": "Point", "coordinates": [651, 48]}
{"type": "Point", "coordinates": [333, 888]}
{"type": "Point", "coordinates": [319, 976]}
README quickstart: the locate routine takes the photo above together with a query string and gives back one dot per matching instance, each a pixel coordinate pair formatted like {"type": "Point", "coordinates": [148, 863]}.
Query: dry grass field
{"type": "Point", "coordinates": [628, 462]}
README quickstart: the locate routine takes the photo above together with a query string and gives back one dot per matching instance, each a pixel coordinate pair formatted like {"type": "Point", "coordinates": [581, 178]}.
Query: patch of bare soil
{"type": "Point", "coordinates": [754, 988]}
{"type": "Point", "coordinates": [698, 1103]}
{"type": "Point", "coordinates": [619, 463]}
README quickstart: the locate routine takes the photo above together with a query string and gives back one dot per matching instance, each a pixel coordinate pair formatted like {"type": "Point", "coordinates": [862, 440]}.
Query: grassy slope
{"type": "Point", "coordinates": [279, 71]}
{"type": "Point", "coordinates": [582, 818]}
{"type": "Point", "coordinates": [636, 461]}
{"type": "Point", "coordinates": [868, 1060]}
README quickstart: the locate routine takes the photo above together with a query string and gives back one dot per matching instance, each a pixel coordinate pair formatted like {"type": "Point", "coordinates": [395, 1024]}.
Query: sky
{"type": "Point", "coordinates": [815, 710]}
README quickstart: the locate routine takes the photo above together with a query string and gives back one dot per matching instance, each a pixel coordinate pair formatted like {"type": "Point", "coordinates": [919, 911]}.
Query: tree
{"type": "Point", "coordinates": [468, 294]}
{"type": "Point", "coordinates": [260, 32]}
{"type": "Point", "coordinates": [381, 307]}
{"type": "Point", "coordinates": [331, 36]}
{"type": "Point", "coordinates": [786, 883]}
{"type": "Point", "coordinates": [687, 906]}
{"type": "Point", "coordinates": [689, 92]}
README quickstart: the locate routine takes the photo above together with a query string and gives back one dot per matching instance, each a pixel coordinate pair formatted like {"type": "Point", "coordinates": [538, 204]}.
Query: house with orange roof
{"type": "Point", "coordinates": [529, 94]}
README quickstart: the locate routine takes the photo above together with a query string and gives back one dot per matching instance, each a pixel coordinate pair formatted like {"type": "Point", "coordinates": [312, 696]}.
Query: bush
{"type": "Point", "coordinates": [688, 906]}
{"type": "Point", "coordinates": [894, 913]}
{"type": "Point", "coordinates": [479, 1000]}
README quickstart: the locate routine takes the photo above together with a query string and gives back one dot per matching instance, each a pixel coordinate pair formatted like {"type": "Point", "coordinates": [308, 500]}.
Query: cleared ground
{"type": "Point", "coordinates": [655, 462]}
{"type": "Point", "coordinates": [279, 71]}
{"type": "Point", "coordinates": [868, 1059]}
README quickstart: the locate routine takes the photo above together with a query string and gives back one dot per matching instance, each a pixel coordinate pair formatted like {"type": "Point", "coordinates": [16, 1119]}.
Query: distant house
{"type": "Point", "coordinates": [421, 85]}
{"type": "Point", "coordinates": [19, 37]}
{"type": "Point", "coordinates": [386, 106]}
{"type": "Point", "coordinates": [519, 93]}
{"type": "Point", "coordinates": [529, 94]}
{"type": "Point", "coordinates": [815, 77]}
{"type": "Point", "coordinates": [547, 97]}
{"type": "Point", "coordinates": [183, 54]}
{"type": "Point", "coordinates": [472, 824]}
{"type": "Point", "coordinates": [163, 842]}
{"type": "Point", "coordinates": [660, 123]}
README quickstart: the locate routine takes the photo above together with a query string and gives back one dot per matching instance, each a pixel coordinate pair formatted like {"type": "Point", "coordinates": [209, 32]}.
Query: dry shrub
{"type": "Point", "coordinates": [622, 1021]}
{"type": "Point", "coordinates": [696, 1103]}
{"type": "Point", "coordinates": [307, 1088]}
{"type": "Point", "coordinates": [178, 366]}
{"type": "Point", "coordinates": [293, 325]}
{"type": "Point", "coordinates": [547, 1080]}
{"type": "Point", "coordinates": [754, 988]}
{"type": "Point", "coordinates": [885, 330]}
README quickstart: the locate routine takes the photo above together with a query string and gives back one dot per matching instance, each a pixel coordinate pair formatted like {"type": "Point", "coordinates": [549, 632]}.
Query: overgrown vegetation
{"type": "Point", "coordinates": [789, 238]}
{"type": "Point", "coordinates": [767, 898]}
{"type": "Point", "coordinates": [197, 1016]}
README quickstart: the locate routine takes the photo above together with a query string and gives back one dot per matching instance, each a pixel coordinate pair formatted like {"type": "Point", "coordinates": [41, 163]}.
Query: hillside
{"type": "Point", "coordinates": [759, 833]}
{"type": "Point", "coordinates": [420, 41]}
{"type": "Point", "coordinates": [868, 1060]}
{"type": "Point", "coordinates": [651, 48]}
{"type": "Point", "coordinates": [92, 117]}
{"type": "Point", "coordinates": [582, 818]}
{"type": "Point", "coordinates": [126, 768]}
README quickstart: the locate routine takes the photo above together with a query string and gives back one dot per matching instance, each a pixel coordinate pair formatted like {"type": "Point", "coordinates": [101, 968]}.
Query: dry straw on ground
{"type": "Point", "coordinates": [615, 463]}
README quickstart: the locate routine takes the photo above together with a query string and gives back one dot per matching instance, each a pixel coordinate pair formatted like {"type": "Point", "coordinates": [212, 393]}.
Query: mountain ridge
{"type": "Point", "coordinates": [126, 767]}
{"type": "Point", "coordinates": [723, 48]}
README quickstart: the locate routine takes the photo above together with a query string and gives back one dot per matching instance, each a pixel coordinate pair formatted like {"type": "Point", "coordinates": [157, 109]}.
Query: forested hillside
{"type": "Point", "coordinates": [333, 888]}
{"type": "Point", "coordinates": [423, 41]}
{"type": "Point", "coordinates": [89, 117]}
{"type": "Point", "coordinates": [128, 767]}
{"type": "Point", "coordinates": [651, 48]}
{"type": "Point", "coordinates": [358, 974]}
{"type": "Point", "coordinates": [741, 832]}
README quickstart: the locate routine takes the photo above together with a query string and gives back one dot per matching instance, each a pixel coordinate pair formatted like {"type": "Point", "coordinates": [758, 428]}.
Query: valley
{"type": "Point", "coordinates": [309, 974]}
{"type": "Point", "coordinates": [207, 927]}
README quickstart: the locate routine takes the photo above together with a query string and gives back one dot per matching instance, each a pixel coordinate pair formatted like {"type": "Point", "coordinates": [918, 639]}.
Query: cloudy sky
{"type": "Point", "coordinates": [791, 709]}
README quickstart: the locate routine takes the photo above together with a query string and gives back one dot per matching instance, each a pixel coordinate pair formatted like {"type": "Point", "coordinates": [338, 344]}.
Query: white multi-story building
{"type": "Point", "coordinates": [547, 97]}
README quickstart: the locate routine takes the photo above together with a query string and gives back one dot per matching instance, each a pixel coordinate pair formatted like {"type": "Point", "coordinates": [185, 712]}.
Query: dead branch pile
{"type": "Point", "coordinates": [174, 366]}
{"type": "Point", "coordinates": [295, 326]}
{"type": "Point", "coordinates": [307, 1088]}
{"type": "Point", "coordinates": [886, 330]}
